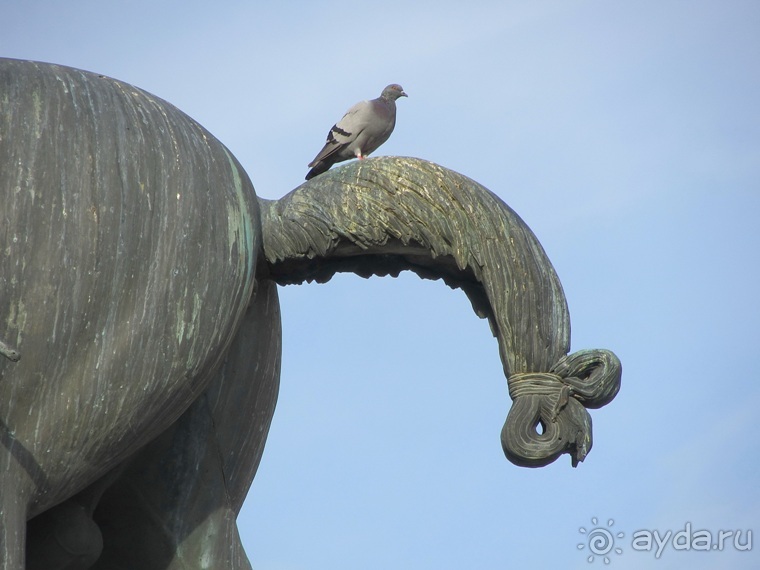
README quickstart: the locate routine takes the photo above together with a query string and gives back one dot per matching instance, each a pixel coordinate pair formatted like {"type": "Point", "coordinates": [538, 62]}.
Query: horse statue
{"type": "Point", "coordinates": [140, 334]}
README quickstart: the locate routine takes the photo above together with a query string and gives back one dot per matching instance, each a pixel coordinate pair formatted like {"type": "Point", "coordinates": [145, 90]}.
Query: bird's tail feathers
{"type": "Point", "coordinates": [318, 168]}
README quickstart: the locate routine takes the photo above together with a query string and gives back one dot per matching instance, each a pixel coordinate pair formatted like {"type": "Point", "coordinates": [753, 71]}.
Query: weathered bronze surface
{"type": "Point", "coordinates": [139, 319]}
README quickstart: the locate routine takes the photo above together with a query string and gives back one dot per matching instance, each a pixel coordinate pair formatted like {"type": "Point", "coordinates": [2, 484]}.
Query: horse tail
{"type": "Point", "coordinates": [385, 215]}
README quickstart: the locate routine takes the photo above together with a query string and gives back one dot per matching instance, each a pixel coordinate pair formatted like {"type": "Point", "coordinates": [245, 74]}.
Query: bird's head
{"type": "Point", "coordinates": [393, 92]}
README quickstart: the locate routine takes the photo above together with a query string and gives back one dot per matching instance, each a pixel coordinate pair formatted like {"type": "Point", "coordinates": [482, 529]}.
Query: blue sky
{"type": "Point", "coordinates": [626, 134]}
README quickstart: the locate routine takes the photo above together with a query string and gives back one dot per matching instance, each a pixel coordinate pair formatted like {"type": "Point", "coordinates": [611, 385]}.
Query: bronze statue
{"type": "Point", "coordinates": [140, 322]}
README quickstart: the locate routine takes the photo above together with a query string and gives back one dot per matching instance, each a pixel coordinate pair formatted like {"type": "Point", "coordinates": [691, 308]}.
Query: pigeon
{"type": "Point", "coordinates": [361, 131]}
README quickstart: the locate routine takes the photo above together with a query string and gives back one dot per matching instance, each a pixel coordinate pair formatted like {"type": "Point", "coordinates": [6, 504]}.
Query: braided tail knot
{"type": "Point", "coordinates": [548, 415]}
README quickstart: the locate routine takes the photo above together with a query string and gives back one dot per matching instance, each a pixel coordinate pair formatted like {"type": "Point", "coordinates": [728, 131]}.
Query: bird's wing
{"type": "Point", "coordinates": [345, 131]}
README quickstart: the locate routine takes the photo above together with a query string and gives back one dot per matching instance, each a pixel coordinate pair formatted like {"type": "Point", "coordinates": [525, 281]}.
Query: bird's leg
{"type": "Point", "coordinates": [359, 154]}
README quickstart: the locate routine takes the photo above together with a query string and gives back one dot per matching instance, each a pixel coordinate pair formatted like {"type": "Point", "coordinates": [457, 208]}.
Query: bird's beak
{"type": "Point", "coordinates": [403, 94]}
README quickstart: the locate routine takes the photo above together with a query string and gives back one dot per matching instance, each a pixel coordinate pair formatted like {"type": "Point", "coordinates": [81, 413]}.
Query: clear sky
{"type": "Point", "coordinates": [626, 134]}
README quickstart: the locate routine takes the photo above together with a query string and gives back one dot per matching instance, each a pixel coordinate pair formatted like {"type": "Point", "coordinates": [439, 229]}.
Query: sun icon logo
{"type": "Point", "coordinates": [601, 541]}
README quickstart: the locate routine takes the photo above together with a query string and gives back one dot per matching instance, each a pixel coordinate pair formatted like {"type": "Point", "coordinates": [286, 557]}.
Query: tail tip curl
{"type": "Point", "coordinates": [548, 415]}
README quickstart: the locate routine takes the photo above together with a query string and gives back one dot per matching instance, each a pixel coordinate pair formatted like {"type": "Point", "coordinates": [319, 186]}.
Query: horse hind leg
{"type": "Point", "coordinates": [12, 529]}
{"type": "Point", "coordinates": [63, 537]}
{"type": "Point", "coordinates": [19, 476]}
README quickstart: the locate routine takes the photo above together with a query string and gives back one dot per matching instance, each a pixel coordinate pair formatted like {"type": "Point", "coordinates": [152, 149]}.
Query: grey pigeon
{"type": "Point", "coordinates": [361, 131]}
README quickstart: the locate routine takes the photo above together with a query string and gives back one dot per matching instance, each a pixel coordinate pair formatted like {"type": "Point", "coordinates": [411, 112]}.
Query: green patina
{"type": "Point", "coordinates": [240, 226]}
